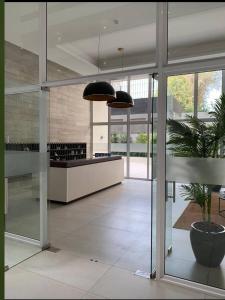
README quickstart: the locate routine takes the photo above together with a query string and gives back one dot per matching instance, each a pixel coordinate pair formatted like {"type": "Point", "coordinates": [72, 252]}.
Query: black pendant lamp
{"type": "Point", "coordinates": [123, 99]}
{"type": "Point", "coordinates": [99, 91]}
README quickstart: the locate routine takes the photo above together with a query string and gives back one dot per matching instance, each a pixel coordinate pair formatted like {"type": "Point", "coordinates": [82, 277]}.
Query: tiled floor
{"type": "Point", "coordinates": [107, 226]}
{"type": "Point", "coordinates": [103, 239]}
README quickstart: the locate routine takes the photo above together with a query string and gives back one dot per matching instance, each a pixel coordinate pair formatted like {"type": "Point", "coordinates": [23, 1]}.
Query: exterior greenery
{"type": "Point", "coordinates": [181, 87]}
{"type": "Point", "coordinates": [196, 138]}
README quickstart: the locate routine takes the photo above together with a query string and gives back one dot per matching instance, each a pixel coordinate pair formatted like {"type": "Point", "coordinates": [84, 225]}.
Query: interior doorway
{"type": "Point", "coordinates": [115, 225]}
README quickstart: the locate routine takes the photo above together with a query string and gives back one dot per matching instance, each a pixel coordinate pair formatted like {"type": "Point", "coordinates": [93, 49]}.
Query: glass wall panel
{"type": "Point", "coordinates": [195, 223]}
{"type": "Point", "coordinates": [83, 37]}
{"type": "Point", "coordinates": [180, 96]}
{"type": "Point", "coordinates": [21, 43]}
{"type": "Point", "coordinates": [139, 91]}
{"type": "Point", "coordinates": [195, 30]}
{"type": "Point", "coordinates": [209, 89]}
{"type": "Point", "coordinates": [100, 139]}
{"type": "Point", "coordinates": [23, 164]}
{"type": "Point", "coordinates": [139, 140]}
{"type": "Point", "coordinates": [119, 142]}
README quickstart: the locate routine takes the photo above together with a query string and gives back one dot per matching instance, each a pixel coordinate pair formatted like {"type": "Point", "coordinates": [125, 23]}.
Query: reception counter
{"type": "Point", "coordinates": [73, 179]}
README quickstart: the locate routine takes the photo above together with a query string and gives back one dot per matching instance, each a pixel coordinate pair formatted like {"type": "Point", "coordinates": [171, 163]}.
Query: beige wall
{"type": "Point", "coordinates": [69, 115]}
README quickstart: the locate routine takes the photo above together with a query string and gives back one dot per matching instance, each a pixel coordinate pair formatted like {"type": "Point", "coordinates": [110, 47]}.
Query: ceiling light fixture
{"type": "Point", "coordinates": [123, 99]}
{"type": "Point", "coordinates": [100, 90]}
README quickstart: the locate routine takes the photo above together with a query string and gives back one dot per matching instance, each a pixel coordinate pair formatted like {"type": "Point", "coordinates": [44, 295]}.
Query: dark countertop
{"type": "Point", "coordinates": [81, 162]}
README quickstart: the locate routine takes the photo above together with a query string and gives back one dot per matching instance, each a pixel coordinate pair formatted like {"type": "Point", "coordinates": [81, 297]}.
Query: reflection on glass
{"type": "Point", "coordinates": [21, 44]}
{"type": "Point", "coordinates": [195, 31]}
{"type": "Point", "coordinates": [119, 143]}
{"type": "Point", "coordinates": [209, 89]}
{"type": "Point", "coordinates": [180, 96]}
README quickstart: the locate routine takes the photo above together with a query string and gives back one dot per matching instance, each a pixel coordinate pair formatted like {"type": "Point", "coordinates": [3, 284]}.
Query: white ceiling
{"type": "Point", "coordinates": [74, 28]}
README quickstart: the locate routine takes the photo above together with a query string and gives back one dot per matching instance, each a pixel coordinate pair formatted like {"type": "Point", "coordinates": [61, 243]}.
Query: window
{"type": "Point", "coordinates": [209, 89]}
{"type": "Point", "coordinates": [180, 93]}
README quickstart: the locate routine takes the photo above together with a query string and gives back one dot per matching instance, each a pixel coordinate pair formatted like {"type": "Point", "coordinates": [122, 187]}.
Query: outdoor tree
{"type": "Point", "coordinates": [181, 87]}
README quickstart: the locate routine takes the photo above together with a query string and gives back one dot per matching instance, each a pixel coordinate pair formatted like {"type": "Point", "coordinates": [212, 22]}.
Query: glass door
{"type": "Point", "coordinates": [25, 175]}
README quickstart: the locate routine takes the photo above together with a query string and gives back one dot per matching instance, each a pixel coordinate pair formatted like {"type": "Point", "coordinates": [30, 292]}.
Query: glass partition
{"type": "Point", "coordinates": [195, 220]}
{"type": "Point", "coordinates": [25, 164]}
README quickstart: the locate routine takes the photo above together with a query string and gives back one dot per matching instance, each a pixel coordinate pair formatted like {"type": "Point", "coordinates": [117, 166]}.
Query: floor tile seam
{"type": "Point", "coordinates": [19, 263]}
{"type": "Point", "coordinates": [116, 261]}
{"type": "Point", "coordinates": [52, 279]}
{"type": "Point", "coordinates": [106, 271]}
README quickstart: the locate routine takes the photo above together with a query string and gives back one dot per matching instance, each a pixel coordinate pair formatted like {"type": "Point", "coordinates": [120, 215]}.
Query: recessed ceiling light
{"type": "Point", "coordinates": [105, 27]}
{"type": "Point", "coordinates": [104, 62]}
{"type": "Point", "coordinates": [58, 70]}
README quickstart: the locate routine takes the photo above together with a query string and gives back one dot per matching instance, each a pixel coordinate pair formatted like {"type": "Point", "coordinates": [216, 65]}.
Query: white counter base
{"type": "Point", "coordinates": [68, 184]}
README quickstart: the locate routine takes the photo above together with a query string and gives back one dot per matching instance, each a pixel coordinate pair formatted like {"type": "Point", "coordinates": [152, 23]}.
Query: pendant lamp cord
{"type": "Point", "coordinates": [122, 60]}
{"type": "Point", "coordinates": [99, 37]}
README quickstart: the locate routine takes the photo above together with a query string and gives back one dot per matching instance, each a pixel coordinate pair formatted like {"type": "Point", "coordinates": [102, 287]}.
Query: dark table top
{"type": "Point", "coordinates": [81, 162]}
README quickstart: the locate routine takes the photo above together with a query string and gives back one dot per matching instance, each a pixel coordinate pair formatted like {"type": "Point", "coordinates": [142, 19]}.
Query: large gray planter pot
{"type": "Point", "coordinates": [208, 243]}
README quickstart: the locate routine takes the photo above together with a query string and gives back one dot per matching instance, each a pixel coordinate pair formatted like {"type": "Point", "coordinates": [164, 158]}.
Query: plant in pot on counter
{"type": "Point", "coordinates": [196, 138]}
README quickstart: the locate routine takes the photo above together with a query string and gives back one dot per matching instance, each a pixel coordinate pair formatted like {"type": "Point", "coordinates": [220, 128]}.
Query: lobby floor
{"type": "Point", "coordinates": [98, 243]}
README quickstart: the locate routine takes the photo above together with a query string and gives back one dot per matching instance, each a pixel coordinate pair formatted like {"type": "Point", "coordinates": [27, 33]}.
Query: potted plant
{"type": "Point", "coordinates": [195, 138]}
